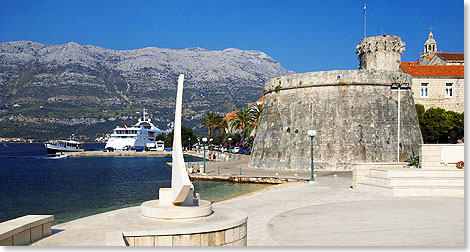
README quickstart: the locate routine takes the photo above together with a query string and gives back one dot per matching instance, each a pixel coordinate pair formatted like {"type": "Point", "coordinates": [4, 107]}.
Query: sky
{"type": "Point", "coordinates": [302, 35]}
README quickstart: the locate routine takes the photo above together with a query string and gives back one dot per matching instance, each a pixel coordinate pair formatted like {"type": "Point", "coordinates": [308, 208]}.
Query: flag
{"type": "Point", "coordinates": [364, 8]}
{"type": "Point", "coordinates": [125, 126]}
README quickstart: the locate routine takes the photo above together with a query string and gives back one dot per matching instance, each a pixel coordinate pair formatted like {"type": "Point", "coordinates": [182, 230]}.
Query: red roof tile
{"type": "Point", "coordinates": [412, 63]}
{"type": "Point", "coordinates": [452, 56]}
{"type": "Point", "coordinates": [230, 115]}
{"type": "Point", "coordinates": [433, 70]}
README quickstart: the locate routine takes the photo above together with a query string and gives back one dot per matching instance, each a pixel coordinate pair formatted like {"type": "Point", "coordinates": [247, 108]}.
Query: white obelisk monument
{"type": "Point", "coordinates": [178, 201]}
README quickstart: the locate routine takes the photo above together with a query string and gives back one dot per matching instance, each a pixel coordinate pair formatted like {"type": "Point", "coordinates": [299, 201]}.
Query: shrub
{"type": "Point", "coordinates": [440, 126]}
{"type": "Point", "coordinates": [414, 162]}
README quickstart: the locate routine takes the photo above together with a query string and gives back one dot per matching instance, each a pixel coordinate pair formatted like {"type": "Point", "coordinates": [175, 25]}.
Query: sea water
{"type": "Point", "coordinates": [81, 186]}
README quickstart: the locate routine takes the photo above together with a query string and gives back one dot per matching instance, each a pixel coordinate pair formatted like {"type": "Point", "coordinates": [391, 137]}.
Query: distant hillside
{"type": "Point", "coordinates": [55, 90]}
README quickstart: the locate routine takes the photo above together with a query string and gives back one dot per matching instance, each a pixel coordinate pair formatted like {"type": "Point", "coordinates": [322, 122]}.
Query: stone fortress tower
{"type": "Point", "coordinates": [380, 52]}
{"type": "Point", "coordinates": [353, 111]}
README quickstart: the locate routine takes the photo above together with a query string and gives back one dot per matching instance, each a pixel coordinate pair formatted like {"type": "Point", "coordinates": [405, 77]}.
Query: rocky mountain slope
{"type": "Point", "coordinates": [56, 90]}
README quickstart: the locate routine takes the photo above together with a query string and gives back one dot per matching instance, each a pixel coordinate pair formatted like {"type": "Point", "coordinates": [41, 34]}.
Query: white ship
{"type": "Point", "coordinates": [139, 136]}
{"type": "Point", "coordinates": [64, 146]}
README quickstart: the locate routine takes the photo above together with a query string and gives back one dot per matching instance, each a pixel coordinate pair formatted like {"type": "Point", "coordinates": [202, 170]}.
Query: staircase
{"type": "Point", "coordinates": [406, 182]}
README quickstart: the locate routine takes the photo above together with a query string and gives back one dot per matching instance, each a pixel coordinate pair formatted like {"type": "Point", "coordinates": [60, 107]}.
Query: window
{"type": "Point", "coordinates": [424, 89]}
{"type": "Point", "coordinates": [449, 90]}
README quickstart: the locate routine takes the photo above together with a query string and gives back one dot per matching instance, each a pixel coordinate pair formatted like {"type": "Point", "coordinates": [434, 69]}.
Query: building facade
{"type": "Point", "coordinates": [437, 78]}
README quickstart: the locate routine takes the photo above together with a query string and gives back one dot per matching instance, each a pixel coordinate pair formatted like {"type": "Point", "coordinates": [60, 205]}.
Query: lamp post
{"type": "Point", "coordinates": [198, 145]}
{"type": "Point", "coordinates": [189, 140]}
{"type": "Point", "coordinates": [204, 149]}
{"type": "Point", "coordinates": [211, 149]}
{"type": "Point", "coordinates": [399, 87]}
{"type": "Point", "coordinates": [230, 148]}
{"type": "Point", "coordinates": [311, 133]}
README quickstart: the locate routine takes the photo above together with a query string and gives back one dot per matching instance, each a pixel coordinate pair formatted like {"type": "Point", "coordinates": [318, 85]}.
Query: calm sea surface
{"type": "Point", "coordinates": [82, 186]}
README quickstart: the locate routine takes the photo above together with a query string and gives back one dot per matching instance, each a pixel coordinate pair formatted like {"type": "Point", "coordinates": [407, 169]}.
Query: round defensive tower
{"type": "Point", "coordinates": [380, 52]}
{"type": "Point", "coordinates": [354, 112]}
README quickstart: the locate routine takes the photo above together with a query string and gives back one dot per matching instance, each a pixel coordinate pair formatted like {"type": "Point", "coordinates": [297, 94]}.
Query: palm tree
{"type": "Point", "coordinates": [223, 125]}
{"type": "Point", "coordinates": [241, 120]}
{"type": "Point", "coordinates": [211, 120]}
{"type": "Point", "coordinates": [255, 111]}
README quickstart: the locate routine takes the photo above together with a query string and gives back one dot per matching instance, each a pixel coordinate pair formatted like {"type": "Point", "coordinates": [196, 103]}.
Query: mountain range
{"type": "Point", "coordinates": [52, 91]}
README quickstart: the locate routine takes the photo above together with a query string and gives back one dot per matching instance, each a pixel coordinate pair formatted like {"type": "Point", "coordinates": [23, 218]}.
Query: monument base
{"type": "Point", "coordinates": [225, 227]}
{"type": "Point", "coordinates": [153, 209]}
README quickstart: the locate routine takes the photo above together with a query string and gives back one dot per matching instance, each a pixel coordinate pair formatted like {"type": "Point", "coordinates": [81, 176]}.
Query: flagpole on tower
{"type": "Point", "coordinates": [365, 16]}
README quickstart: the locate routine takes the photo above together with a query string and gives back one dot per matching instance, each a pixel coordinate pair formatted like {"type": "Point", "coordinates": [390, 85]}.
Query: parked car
{"type": "Point", "coordinates": [248, 152]}
{"type": "Point", "coordinates": [235, 149]}
{"type": "Point", "coordinates": [138, 149]}
{"type": "Point", "coordinates": [110, 149]}
{"type": "Point", "coordinates": [127, 147]}
{"type": "Point", "coordinates": [242, 150]}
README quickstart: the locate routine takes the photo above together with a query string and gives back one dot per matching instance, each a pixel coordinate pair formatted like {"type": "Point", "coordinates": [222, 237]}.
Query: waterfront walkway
{"type": "Point", "coordinates": [327, 213]}
{"type": "Point", "coordinates": [238, 165]}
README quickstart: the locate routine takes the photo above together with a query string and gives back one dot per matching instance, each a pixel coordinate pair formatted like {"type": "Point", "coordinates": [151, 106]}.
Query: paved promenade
{"type": "Point", "coordinates": [327, 213]}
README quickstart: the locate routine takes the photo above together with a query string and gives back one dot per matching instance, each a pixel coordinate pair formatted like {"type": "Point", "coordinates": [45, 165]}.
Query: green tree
{"type": "Point", "coordinates": [242, 120]}
{"type": "Point", "coordinates": [223, 126]}
{"type": "Point", "coordinates": [419, 109]}
{"type": "Point", "coordinates": [440, 126]}
{"type": "Point", "coordinates": [255, 111]}
{"type": "Point", "coordinates": [186, 134]}
{"type": "Point", "coordinates": [211, 120]}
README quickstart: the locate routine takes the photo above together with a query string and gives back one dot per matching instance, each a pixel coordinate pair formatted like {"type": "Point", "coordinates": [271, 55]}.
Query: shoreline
{"type": "Point", "coordinates": [114, 208]}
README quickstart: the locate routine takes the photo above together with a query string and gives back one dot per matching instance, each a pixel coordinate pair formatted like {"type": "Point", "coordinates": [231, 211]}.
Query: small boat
{"type": "Point", "coordinates": [64, 146]}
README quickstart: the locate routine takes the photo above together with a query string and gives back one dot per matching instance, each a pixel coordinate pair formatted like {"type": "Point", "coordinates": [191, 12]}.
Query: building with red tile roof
{"type": "Point", "coordinates": [430, 70]}
{"type": "Point", "coordinates": [231, 115]}
{"type": "Point", "coordinates": [438, 78]}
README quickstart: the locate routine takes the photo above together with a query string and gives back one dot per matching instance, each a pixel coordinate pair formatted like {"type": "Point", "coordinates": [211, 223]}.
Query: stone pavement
{"type": "Point", "coordinates": [327, 213]}
{"type": "Point", "coordinates": [330, 213]}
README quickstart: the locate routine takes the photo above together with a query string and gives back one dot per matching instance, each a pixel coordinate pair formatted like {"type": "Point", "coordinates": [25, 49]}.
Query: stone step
{"type": "Point", "coordinates": [413, 191]}
{"type": "Point", "coordinates": [415, 181]}
{"type": "Point", "coordinates": [413, 172]}
{"type": "Point", "coordinates": [373, 188]}
{"type": "Point", "coordinates": [429, 191]}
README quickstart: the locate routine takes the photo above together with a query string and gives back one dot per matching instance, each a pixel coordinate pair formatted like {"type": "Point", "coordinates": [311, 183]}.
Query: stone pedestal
{"type": "Point", "coordinates": [153, 209]}
{"type": "Point", "coordinates": [225, 227]}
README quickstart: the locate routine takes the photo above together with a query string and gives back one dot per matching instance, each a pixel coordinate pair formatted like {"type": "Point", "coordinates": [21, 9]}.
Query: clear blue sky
{"type": "Point", "coordinates": [303, 35]}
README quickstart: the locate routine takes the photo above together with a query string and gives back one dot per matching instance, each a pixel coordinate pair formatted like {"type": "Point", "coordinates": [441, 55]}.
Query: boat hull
{"type": "Point", "coordinates": [53, 149]}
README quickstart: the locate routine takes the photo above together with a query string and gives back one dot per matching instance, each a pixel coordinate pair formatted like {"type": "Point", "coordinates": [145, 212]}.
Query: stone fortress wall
{"type": "Point", "coordinates": [353, 111]}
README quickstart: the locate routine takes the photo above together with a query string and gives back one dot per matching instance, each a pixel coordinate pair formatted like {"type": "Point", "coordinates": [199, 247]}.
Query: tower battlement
{"type": "Point", "coordinates": [380, 53]}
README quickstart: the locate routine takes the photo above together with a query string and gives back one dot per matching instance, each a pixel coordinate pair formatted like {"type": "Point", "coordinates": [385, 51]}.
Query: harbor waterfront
{"type": "Point", "coordinates": [327, 213]}
{"type": "Point", "coordinates": [81, 186]}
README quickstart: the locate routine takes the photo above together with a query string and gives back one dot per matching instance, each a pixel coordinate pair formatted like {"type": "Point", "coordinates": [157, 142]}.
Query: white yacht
{"type": "Point", "coordinates": [139, 136]}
